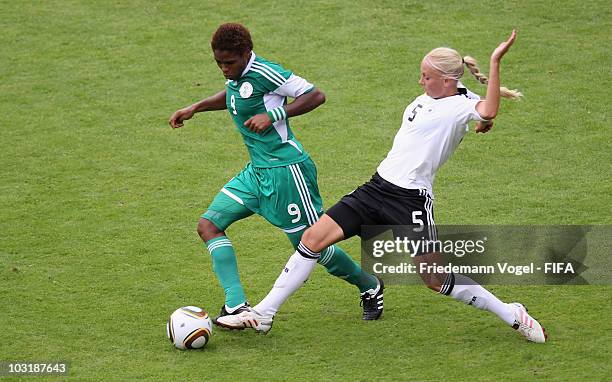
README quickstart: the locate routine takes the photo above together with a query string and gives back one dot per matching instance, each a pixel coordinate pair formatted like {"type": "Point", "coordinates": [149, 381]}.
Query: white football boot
{"type": "Point", "coordinates": [527, 325]}
{"type": "Point", "coordinates": [249, 318]}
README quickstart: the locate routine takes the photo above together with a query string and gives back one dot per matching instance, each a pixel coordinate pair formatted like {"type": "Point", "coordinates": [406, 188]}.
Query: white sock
{"type": "Point", "coordinates": [295, 274]}
{"type": "Point", "coordinates": [465, 289]}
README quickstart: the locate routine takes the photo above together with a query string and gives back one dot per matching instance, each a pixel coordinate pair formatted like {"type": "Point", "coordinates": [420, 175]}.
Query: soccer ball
{"type": "Point", "coordinates": [189, 327]}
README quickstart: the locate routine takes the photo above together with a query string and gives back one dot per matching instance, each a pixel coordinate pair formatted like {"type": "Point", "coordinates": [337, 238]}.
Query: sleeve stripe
{"type": "Point", "coordinates": [270, 71]}
{"type": "Point", "coordinates": [275, 82]}
{"type": "Point", "coordinates": [277, 114]}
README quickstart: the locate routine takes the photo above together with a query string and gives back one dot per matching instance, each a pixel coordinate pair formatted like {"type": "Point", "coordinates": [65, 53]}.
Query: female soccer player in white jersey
{"type": "Point", "coordinates": [400, 190]}
{"type": "Point", "coordinates": [280, 181]}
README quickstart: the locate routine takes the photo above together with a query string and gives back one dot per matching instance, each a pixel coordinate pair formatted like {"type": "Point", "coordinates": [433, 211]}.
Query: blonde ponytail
{"type": "Point", "coordinates": [472, 65]}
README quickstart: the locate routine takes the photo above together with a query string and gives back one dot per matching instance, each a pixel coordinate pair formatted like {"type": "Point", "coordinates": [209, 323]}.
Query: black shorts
{"type": "Point", "coordinates": [379, 202]}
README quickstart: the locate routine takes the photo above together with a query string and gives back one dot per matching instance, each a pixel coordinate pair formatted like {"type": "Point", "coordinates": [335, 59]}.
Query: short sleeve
{"type": "Point", "coordinates": [294, 87]}
{"type": "Point", "coordinates": [467, 111]}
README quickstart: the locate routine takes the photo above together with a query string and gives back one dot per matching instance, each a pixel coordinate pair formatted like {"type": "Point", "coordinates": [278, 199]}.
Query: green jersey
{"type": "Point", "coordinates": [263, 86]}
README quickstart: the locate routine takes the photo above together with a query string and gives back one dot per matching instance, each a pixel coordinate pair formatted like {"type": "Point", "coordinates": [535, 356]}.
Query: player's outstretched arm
{"type": "Point", "coordinates": [214, 102]}
{"type": "Point", "coordinates": [489, 107]}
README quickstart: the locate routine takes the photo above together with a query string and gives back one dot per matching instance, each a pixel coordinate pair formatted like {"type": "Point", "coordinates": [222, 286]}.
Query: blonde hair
{"type": "Point", "coordinates": [449, 63]}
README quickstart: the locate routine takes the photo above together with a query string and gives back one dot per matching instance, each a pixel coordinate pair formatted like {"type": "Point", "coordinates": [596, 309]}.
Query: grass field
{"type": "Point", "coordinates": [99, 198]}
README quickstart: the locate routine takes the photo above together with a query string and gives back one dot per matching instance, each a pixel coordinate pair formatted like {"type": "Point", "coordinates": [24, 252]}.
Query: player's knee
{"type": "Point", "coordinates": [207, 230]}
{"type": "Point", "coordinates": [313, 240]}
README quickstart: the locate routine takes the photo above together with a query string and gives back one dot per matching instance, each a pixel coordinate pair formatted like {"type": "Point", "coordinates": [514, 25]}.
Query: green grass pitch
{"type": "Point", "coordinates": [99, 198]}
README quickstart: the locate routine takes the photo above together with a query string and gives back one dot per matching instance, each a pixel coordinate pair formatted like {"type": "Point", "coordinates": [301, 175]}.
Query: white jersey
{"type": "Point", "coordinates": [431, 131]}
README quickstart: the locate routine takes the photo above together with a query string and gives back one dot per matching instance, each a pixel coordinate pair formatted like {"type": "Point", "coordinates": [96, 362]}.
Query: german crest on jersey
{"type": "Point", "coordinates": [246, 89]}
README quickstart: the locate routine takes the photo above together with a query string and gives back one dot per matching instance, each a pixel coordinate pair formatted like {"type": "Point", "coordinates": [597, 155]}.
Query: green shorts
{"type": "Point", "coordinates": [287, 196]}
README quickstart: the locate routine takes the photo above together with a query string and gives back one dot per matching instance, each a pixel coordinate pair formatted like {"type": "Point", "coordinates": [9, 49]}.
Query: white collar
{"type": "Point", "coordinates": [248, 67]}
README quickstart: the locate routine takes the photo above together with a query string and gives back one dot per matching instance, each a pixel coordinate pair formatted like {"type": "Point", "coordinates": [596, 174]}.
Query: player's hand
{"type": "Point", "coordinates": [258, 123]}
{"type": "Point", "coordinates": [176, 120]}
{"type": "Point", "coordinates": [499, 52]}
{"type": "Point", "coordinates": [483, 126]}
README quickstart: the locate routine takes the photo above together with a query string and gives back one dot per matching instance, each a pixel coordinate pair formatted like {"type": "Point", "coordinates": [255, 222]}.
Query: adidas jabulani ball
{"type": "Point", "coordinates": [189, 327]}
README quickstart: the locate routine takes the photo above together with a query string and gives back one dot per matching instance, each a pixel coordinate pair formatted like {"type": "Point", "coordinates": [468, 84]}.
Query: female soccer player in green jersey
{"type": "Point", "coordinates": [280, 181]}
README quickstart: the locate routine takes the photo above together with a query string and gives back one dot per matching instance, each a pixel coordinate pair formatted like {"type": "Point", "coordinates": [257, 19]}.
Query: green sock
{"type": "Point", "coordinates": [340, 264]}
{"type": "Point", "coordinates": [226, 268]}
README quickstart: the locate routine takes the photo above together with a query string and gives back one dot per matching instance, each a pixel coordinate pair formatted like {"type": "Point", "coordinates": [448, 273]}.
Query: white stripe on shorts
{"type": "Point", "coordinates": [293, 230]}
{"type": "Point", "coordinates": [311, 215]}
{"type": "Point", "coordinates": [431, 225]}
{"type": "Point", "coordinates": [231, 195]}
{"type": "Point", "coordinates": [308, 198]}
